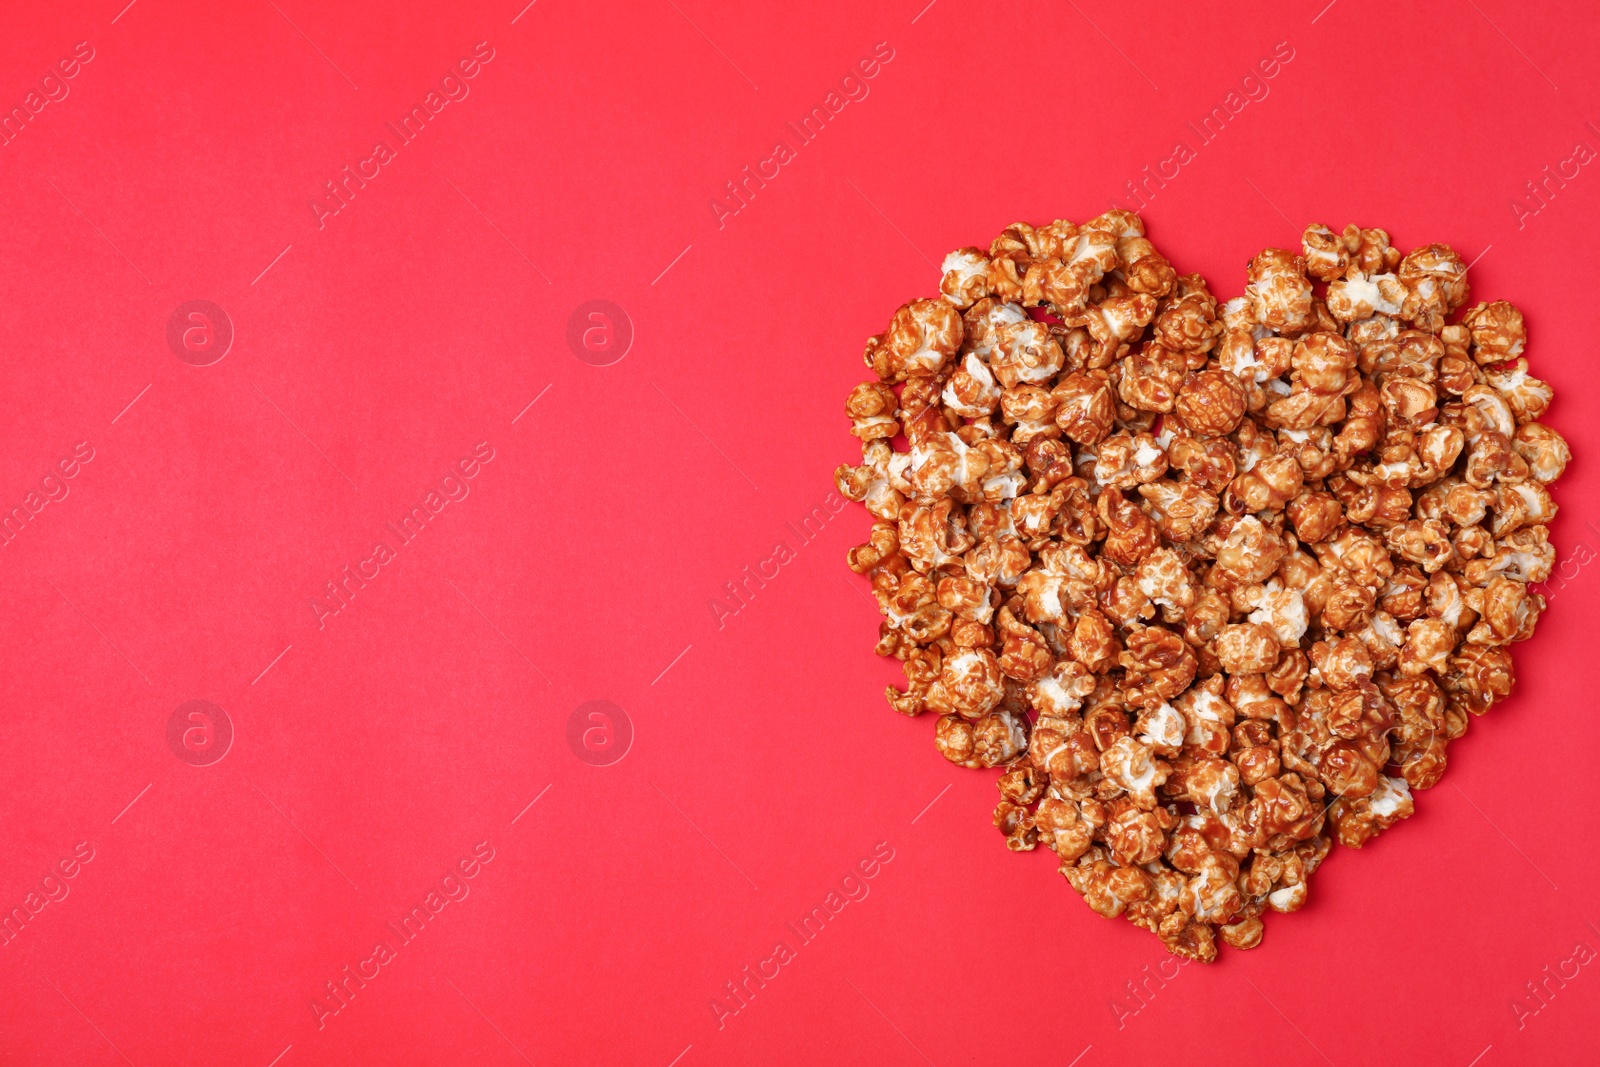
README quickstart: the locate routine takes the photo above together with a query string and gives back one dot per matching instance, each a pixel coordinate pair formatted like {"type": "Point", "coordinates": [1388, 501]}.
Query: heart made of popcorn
{"type": "Point", "coordinates": [1212, 586]}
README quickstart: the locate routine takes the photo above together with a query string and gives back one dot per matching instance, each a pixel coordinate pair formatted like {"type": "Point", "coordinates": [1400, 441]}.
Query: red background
{"type": "Point", "coordinates": [422, 719]}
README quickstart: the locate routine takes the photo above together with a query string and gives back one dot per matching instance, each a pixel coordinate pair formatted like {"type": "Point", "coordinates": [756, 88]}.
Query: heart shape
{"type": "Point", "coordinates": [1212, 586]}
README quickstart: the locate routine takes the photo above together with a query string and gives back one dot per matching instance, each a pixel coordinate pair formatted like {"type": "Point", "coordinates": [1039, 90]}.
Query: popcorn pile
{"type": "Point", "coordinates": [1212, 585]}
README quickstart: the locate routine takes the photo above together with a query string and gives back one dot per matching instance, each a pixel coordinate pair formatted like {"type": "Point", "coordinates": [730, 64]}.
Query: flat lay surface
{"type": "Point", "coordinates": [428, 637]}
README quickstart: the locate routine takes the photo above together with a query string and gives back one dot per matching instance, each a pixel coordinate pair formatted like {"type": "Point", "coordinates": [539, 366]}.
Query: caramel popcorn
{"type": "Point", "coordinates": [1212, 586]}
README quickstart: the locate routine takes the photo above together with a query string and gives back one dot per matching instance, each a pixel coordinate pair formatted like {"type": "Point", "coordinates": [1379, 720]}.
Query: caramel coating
{"type": "Point", "coordinates": [1212, 587]}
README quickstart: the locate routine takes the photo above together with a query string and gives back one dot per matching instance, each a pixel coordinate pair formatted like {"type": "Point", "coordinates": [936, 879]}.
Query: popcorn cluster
{"type": "Point", "coordinates": [1212, 585]}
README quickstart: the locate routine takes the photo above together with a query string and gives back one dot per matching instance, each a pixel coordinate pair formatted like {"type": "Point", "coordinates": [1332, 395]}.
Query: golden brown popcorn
{"type": "Point", "coordinates": [1150, 379]}
{"type": "Point", "coordinates": [1429, 642]}
{"type": "Point", "coordinates": [1364, 422]}
{"type": "Point", "coordinates": [1137, 837]}
{"type": "Point", "coordinates": [1402, 598]}
{"type": "Point", "coordinates": [1283, 806]}
{"type": "Point", "coordinates": [1163, 728]}
{"type": "Point", "coordinates": [1315, 515]}
{"type": "Point", "coordinates": [1144, 269]}
{"type": "Point", "coordinates": [1456, 367]}
{"type": "Point", "coordinates": [1247, 648]}
{"type": "Point", "coordinates": [872, 407]}
{"type": "Point", "coordinates": [1010, 255]}
{"type": "Point", "coordinates": [1025, 352]}
{"type": "Point", "coordinates": [1189, 326]}
{"type": "Point", "coordinates": [979, 324]}
{"type": "Point", "coordinates": [1060, 692]}
{"type": "Point", "coordinates": [970, 683]}
{"type": "Point", "coordinates": [1410, 402]}
{"type": "Point", "coordinates": [1490, 459]}
{"type": "Point", "coordinates": [921, 338]}
{"type": "Point", "coordinates": [1120, 223]}
{"type": "Point", "coordinates": [1015, 822]}
{"type": "Point", "coordinates": [1212, 894]}
{"type": "Point", "coordinates": [1191, 939]}
{"type": "Point", "coordinates": [1031, 409]}
{"type": "Point", "coordinates": [1478, 676]}
{"type": "Point", "coordinates": [1255, 361]}
{"type": "Point", "coordinates": [1063, 580]}
{"type": "Point", "coordinates": [1278, 291]}
{"type": "Point", "coordinates": [933, 537]}
{"type": "Point", "coordinates": [1024, 654]}
{"type": "Point", "coordinates": [1157, 664]}
{"type": "Point", "coordinates": [1283, 612]}
{"type": "Point", "coordinates": [1393, 351]}
{"type": "Point", "coordinates": [1033, 515]}
{"type": "Point", "coordinates": [1506, 612]}
{"type": "Point", "coordinates": [1345, 770]}
{"type": "Point", "coordinates": [1054, 282]}
{"type": "Point", "coordinates": [1357, 296]}
{"type": "Point", "coordinates": [1094, 642]}
{"type": "Point", "coordinates": [1323, 362]}
{"type": "Point", "coordinates": [999, 561]}
{"type": "Point", "coordinates": [1268, 485]}
{"type": "Point", "coordinates": [1000, 737]}
{"type": "Point", "coordinates": [1129, 460]}
{"type": "Point", "coordinates": [1303, 408]}
{"type": "Point", "coordinates": [1437, 449]}
{"type": "Point", "coordinates": [882, 543]}
{"type": "Point", "coordinates": [1062, 828]}
{"type": "Point", "coordinates": [1370, 250]}
{"type": "Point", "coordinates": [966, 277]}
{"type": "Point", "coordinates": [1063, 749]}
{"type": "Point", "coordinates": [1526, 555]}
{"type": "Point", "coordinates": [1383, 636]}
{"type": "Point", "coordinates": [965, 633]}
{"type": "Point", "coordinates": [1343, 663]}
{"type": "Point", "coordinates": [1250, 552]}
{"type": "Point", "coordinates": [1023, 783]}
{"type": "Point", "coordinates": [1498, 333]}
{"type": "Point", "coordinates": [971, 391]}
{"type": "Point", "coordinates": [1545, 451]}
{"type": "Point", "coordinates": [1483, 410]}
{"type": "Point", "coordinates": [956, 740]}
{"type": "Point", "coordinates": [1093, 249]}
{"type": "Point", "coordinates": [1527, 396]}
{"type": "Point", "coordinates": [910, 608]}
{"type": "Point", "coordinates": [1106, 887]}
{"type": "Point", "coordinates": [1211, 403]}
{"type": "Point", "coordinates": [1163, 579]}
{"type": "Point", "coordinates": [939, 465]}
{"type": "Point", "coordinates": [1521, 504]}
{"type": "Point", "coordinates": [1085, 409]}
{"type": "Point", "coordinates": [1325, 254]}
{"type": "Point", "coordinates": [1454, 501]}
{"type": "Point", "coordinates": [1378, 332]}
{"type": "Point", "coordinates": [1182, 511]}
{"type": "Point", "coordinates": [1130, 533]}
{"type": "Point", "coordinates": [871, 484]}
{"type": "Point", "coordinates": [1369, 502]}
{"type": "Point", "coordinates": [1245, 933]}
{"type": "Point", "coordinates": [1425, 542]}
{"type": "Point", "coordinates": [1131, 766]}
{"type": "Point", "coordinates": [1146, 552]}
{"type": "Point", "coordinates": [965, 598]}
{"type": "Point", "coordinates": [1214, 784]}
{"type": "Point", "coordinates": [1357, 820]}
{"type": "Point", "coordinates": [1279, 880]}
{"type": "Point", "coordinates": [1436, 284]}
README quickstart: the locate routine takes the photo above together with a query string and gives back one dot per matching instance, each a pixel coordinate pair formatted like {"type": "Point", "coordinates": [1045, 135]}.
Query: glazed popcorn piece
{"type": "Point", "coordinates": [1212, 587]}
{"type": "Point", "coordinates": [920, 340]}
{"type": "Point", "coordinates": [966, 277]}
